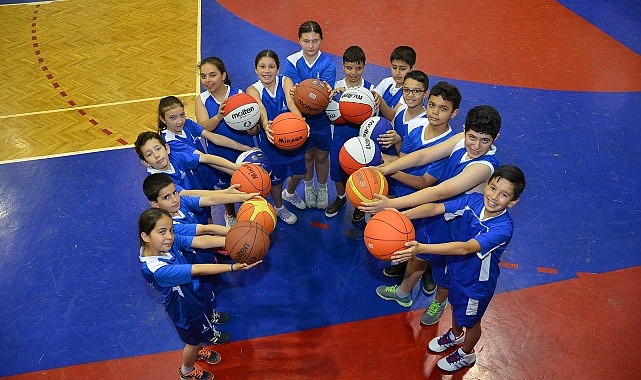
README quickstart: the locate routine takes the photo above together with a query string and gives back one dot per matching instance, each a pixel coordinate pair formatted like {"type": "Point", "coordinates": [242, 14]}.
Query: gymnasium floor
{"type": "Point", "coordinates": [80, 79]}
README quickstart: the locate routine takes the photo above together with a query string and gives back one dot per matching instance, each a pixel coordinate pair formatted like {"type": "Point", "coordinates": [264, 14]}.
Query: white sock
{"type": "Point", "coordinates": [186, 370]}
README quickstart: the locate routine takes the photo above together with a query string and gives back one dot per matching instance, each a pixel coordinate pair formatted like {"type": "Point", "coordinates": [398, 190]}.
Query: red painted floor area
{"type": "Point", "coordinates": [562, 330]}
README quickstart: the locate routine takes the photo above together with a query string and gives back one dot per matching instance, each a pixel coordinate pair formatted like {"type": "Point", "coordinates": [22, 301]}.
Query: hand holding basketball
{"type": "Point", "coordinates": [411, 250]}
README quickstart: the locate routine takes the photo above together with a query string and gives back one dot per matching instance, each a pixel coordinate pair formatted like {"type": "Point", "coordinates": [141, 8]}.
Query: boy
{"type": "Point", "coordinates": [353, 66]}
{"type": "Point", "coordinates": [473, 256]}
{"type": "Point", "coordinates": [470, 164]}
{"type": "Point", "coordinates": [402, 61]}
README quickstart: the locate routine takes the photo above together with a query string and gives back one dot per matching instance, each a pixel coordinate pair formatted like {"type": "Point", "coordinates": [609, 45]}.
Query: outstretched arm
{"type": "Point", "coordinates": [205, 269]}
{"type": "Point", "coordinates": [455, 248]}
{"type": "Point", "coordinates": [422, 156]}
{"type": "Point", "coordinates": [218, 162]}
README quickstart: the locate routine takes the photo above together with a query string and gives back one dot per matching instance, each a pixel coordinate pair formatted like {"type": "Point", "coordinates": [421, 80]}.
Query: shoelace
{"type": "Point", "coordinates": [196, 373]}
{"type": "Point", "coordinates": [446, 339]}
{"type": "Point", "coordinates": [434, 307]}
{"type": "Point", "coordinates": [454, 357]}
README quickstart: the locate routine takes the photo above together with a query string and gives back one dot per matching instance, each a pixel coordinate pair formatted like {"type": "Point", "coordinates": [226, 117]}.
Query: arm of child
{"type": "Point", "coordinates": [202, 116]}
{"type": "Point", "coordinates": [206, 269]}
{"type": "Point", "coordinates": [386, 111]}
{"type": "Point", "coordinates": [211, 229]}
{"type": "Point", "coordinates": [425, 210]}
{"type": "Point", "coordinates": [455, 248]}
{"type": "Point", "coordinates": [223, 198]}
{"type": "Point", "coordinates": [218, 163]}
{"type": "Point", "coordinates": [208, 241]}
{"type": "Point", "coordinates": [225, 141]}
{"type": "Point", "coordinates": [288, 85]}
{"type": "Point", "coordinates": [415, 181]}
{"type": "Point", "coordinates": [423, 156]}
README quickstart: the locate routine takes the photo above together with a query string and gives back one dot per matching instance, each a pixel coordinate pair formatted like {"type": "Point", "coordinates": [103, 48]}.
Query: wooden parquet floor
{"type": "Point", "coordinates": [81, 75]}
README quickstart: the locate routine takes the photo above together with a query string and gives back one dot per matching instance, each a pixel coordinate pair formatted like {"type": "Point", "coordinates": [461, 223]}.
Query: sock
{"type": "Point", "coordinates": [341, 196]}
{"type": "Point", "coordinates": [401, 294]}
{"type": "Point", "coordinates": [322, 185]}
{"type": "Point", "coordinates": [309, 184]}
{"type": "Point", "coordinates": [278, 208]}
{"type": "Point", "coordinates": [186, 370]}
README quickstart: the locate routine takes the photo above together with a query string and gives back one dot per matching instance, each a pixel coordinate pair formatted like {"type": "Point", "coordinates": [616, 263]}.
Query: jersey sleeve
{"type": "Point", "coordinates": [169, 275]}
{"type": "Point", "coordinates": [290, 69]}
{"type": "Point", "coordinates": [188, 229]}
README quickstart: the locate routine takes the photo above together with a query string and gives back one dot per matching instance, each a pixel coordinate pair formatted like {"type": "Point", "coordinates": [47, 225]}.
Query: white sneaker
{"type": "Point", "coordinates": [322, 199]}
{"type": "Point", "coordinates": [230, 220]}
{"type": "Point", "coordinates": [310, 197]}
{"type": "Point", "coordinates": [286, 216]}
{"type": "Point", "coordinates": [457, 360]}
{"type": "Point", "coordinates": [294, 199]}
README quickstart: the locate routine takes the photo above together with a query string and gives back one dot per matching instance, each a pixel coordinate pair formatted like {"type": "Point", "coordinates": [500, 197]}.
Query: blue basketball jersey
{"type": "Point", "coordinates": [391, 94]}
{"type": "Point", "coordinates": [182, 170]}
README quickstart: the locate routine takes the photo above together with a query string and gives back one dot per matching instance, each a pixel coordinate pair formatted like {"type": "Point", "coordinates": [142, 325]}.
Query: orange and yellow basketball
{"type": "Point", "coordinates": [259, 211]}
{"type": "Point", "coordinates": [363, 184]}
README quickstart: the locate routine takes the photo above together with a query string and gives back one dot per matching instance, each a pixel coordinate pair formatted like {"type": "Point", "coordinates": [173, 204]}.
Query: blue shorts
{"type": "Point", "coordinates": [467, 311]}
{"type": "Point", "coordinates": [200, 330]}
{"type": "Point", "coordinates": [279, 170]}
{"type": "Point", "coordinates": [319, 140]}
{"type": "Point", "coordinates": [340, 134]}
{"type": "Point", "coordinates": [224, 180]}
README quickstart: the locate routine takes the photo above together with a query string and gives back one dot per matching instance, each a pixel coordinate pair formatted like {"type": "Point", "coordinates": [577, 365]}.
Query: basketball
{"type": "Point", "coordinates": [259, 211]}
{"type": "Point", "coordinates": [358, 152]}
{"type": "Point", "coordinates": [311, 96]}
{"type": "Point", "coordinates": [357, 104]}
{"type": "Point", "coordinates": [333, 111]}
{"type": "Point", "coordinates": [363, 184]}
{"type": "Point", "coordinates": [387, 232]}
{"type": "Point", "coordinates": [252, 178]}
{"type": "Point", "coordinates": [241, 112]}
{"type": "Point", "coordinates": [375, 126]}
{"type": "Point", "coordinates": [289, 131]}
{"type": "Point", "coordinates": [247, 242]}
{"type": "Point", "coordinates": [255, 156]}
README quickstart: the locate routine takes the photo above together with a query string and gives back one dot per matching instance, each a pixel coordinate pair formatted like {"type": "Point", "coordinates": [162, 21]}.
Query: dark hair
{"type": "Point", "coordinates": [219, 65]}
{"type": "Point", "coordinates": [142, 139]}
{"type": "Point", "coordinates": [267, 53]}
{"type": "Point", "coordinates": [354, 54]}
{"type": "Point", "coordinates": [483, 119]}
{"type": "Point", "coordinates": [152, 185]}
{"type": "Point", "coordinates": [148, 220]}
{"type": "Point", "coordinates": [167, 103]}
{"type": "Point", "coordinates": [512, 174]}
{"type": "Point", "coordinates": [448, 92]}
{"type": "Point", "coordinates": [419, 76]}
{"type": "Point", "coordinates": [405, 54]}
{"type": "Point", "coordinates": [310, 26]}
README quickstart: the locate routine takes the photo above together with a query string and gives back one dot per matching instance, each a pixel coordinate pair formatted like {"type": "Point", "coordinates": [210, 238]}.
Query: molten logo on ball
{"type": "Point", "coordinates": [243, 112]}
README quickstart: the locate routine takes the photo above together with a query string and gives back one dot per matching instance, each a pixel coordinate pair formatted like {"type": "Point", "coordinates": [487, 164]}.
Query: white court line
{"type": "Point", "coordinates": [89, 106]}
{"type": "Point", "coordinates": [65, 154]}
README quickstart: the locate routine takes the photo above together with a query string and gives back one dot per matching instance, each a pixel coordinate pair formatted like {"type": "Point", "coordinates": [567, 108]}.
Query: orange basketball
{"type": "Point", "coordinates": [312, 96]}
{"type": "Point", "coordinates": [290, 131]}
{"type": "Point", "coordinates": [387, 232]}
{"type": "Point", "coordinates": [241, 112]}
{"type": "Point", "coordinates": [252, 178]}
{"type": "Point", "coordinates": [259, 211]}
{"type": "Point", "coordinates": [247, 242]}
{"type": "Point", "coordinates": [363, 184]}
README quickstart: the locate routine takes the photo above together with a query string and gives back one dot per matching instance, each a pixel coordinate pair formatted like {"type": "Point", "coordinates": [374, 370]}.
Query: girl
{"type": "Point", "coordinates": [210, 105]}
{"type": "Point", "coordinates": [167, 264]}
{"type": "Point", "coordinates": [311, 63]}
{"type": "Point", "coordinates": [271, 91]}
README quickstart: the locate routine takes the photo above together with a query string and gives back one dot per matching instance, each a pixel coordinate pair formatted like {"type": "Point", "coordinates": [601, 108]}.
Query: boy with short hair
{"type": "Point", "coordinates": [353, 66]}
{"type": "Point", "coordinates": [470, 164]}
{"type": "Point", "coordinates": [402, 61]}
{"type": "Point", "coordinates": [472, 256]}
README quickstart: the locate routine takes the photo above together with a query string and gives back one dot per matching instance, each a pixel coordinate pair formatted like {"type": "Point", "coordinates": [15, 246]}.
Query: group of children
{"type": "Point", "coordinates": [459, 240]}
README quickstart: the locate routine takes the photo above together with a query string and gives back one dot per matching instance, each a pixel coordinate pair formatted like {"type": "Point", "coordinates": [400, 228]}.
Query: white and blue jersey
{"type": "Point", "coordinates": [476, 274]}
{"type": "Point", "coordinates": [324, 69]}
{"type": "Point", "coordinates": [415, 140]}
{"type": "Point", "coordinates": [185, 297]}
{"type": "Point", "coordinates": [182, 170]}
{"type": "Point", "coordinates": [402, 126]}
{"type": "Point", "coordinates": [388, 91]}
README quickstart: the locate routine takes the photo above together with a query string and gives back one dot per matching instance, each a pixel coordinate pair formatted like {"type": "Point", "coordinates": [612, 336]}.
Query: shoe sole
{"type": "Point", "coordinates": [428, 293]}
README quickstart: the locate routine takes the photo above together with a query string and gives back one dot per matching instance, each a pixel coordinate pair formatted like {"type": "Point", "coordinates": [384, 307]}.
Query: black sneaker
{"type": "Point", "coordinates": [335, 207]}
{"type": "Point", "coordinates": [218, 317]}
{"type": "Point", "coordinates": [358, 216]}
{"type": "Point", "coordinates": [220, 337]}
{"type": "Point", "coordinates": [427, 281]}
{"type": "Point", "coordinates": [397, 270]}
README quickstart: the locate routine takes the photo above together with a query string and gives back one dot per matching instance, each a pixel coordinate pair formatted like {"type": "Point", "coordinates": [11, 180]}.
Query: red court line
{"type": "Point", "coordinates": [535, 44]}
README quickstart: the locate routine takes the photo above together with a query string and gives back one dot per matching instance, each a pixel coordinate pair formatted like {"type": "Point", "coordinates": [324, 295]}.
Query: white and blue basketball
{"type": "Point", "coordinates": [374, 127]}
{"type": "Point", "coordinates": [241, 112]}
{"type": "Point", "coordinates": [357, 104]}
{"type": "Point", "coordinates": [359, 152]}
{"type": "Point", "coordinates": [333, 111]}
{"type": "Point", "coordinates": [255, 156]}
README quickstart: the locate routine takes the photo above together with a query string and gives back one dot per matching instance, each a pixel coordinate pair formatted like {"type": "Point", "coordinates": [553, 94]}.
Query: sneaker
{"type": "Point", "coordinates": [333, 209]}
{"type": "Point", "coordinates": [219, 317]}
{"type": "Point", "coordinates": [457, 360]}
{"type": "Point", "coordinates": [396, 270]}
{"type": "Point", "coordinates": [322, 199]}
{"type": "Point", "coordinates": [357, 216]}
{"type": "Point", "coordinates": [220, 337]}
{"type": "Point", "coordinates": [445, 341]}
{"type": "Point", "coordinates": [310, 197]}
{"type": "Point", "coordinates": [287, 216]}
{"type": "Point", "coordinates": [209, 356]}
{"type": "Point", "coordinates": [230, 220]}
{"type": "Point", "coordinates": [196, 374]}
{"type": "Point", "coordinates": [427, 281]}
{"type": "Point", "coordinates": [389, 293]}
{"type": "Point", "coordinates": [294, 199]}
{"type": "Point", "coordinates": [433, 313]}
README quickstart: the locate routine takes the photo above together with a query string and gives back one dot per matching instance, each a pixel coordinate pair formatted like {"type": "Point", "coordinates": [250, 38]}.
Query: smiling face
{"type": "Point", "coordinates": [156, 154]}
{"type": "Point", "coordinates": [168, 199]}
{"type": "Point", "coordinates": [477, 144]}
{"type": "Point", "coordinates": [267, 70]}
{"type": "Point", "coordinates": [174, 119]}
{"type": "Point", "coordinates": [211, 78]}
{"type": "Point", "coordinates": [160, 238]}
{"type": "Point", "coordinates": [497, 196]}
{"type": "Point", "coordinates": [414, 93]}
{"type": "Point", "coordinates": [353, 73]}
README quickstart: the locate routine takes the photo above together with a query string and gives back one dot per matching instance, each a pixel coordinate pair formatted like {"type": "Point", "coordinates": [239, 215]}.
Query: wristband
{"type": "Point", "coordinates": [232, 267]}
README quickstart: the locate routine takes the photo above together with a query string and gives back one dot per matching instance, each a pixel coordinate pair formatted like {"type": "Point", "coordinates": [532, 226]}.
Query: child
{"type": "Point", "coordinates": [402, 61]}
{"type": "Point", "coordinates": [271, 91]}
{"type": "Point", "coordinates": [473, 256]}
{"type": "Point", "coordinates": [311, 63]}
{"type": "Point", "coordinates": [469, 166]}
{"type": "Point", "coordinates": [353, 66]}
{"type": "Point", "coordinates": [209, 113]}
{"type": "Point", "coordinates": [167, 264]}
